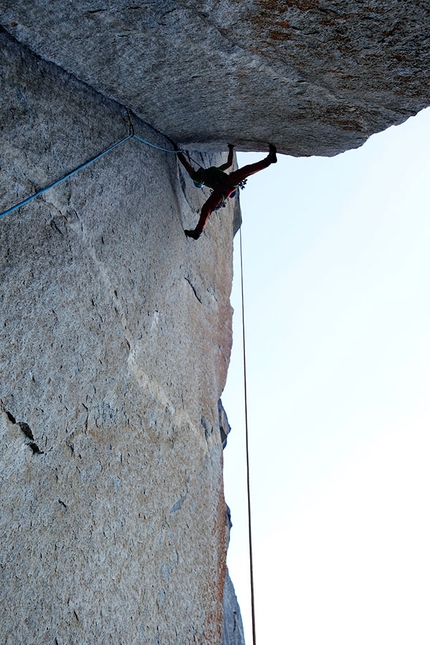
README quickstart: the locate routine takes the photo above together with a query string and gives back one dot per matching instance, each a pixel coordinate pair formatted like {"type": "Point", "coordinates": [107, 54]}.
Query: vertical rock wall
{"type": "Point", "coordinates": [115, 341]}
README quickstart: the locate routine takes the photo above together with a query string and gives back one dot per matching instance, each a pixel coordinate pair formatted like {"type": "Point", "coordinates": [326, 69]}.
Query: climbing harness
{"type": "Point", "coordinates": [248, 471]}
{"type": "Point", "coordinates": [216, 186]}
{"type": "Point", "coordinates": [240, 185]}
{"type": "Point", "coordinates": [223, 204]}
{"type": "Point", "coordinates": [131, 135]}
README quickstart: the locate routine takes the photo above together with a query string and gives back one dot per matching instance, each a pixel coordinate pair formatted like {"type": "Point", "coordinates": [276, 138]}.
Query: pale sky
{"type": "Point", "coordinates": [337, 266]}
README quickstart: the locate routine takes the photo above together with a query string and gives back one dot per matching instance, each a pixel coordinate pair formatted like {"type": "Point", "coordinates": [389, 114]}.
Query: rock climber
{"type": "Point", "coordinates": [223, 185]}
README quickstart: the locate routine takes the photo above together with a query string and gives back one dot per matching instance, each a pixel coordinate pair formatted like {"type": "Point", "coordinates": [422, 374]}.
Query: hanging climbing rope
{"type": "Point", "coordinates": [248, 469]}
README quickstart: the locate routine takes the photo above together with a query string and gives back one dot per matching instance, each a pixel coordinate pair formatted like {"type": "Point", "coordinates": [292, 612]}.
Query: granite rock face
{"type": "Point", "coordinates": [115, 328]}
{"type": "Point", "coordinates": [313, 77]}
{"type": "Point", "coordinates": [233, 633]}
{"type": "Point", "coordinates": [115, 341]}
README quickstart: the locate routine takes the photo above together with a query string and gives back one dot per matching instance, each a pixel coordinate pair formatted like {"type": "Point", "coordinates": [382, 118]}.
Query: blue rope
{"type": "Point", "coordinates": [154, 146]}
{"type": "Point", "coordinates": [81, 167]}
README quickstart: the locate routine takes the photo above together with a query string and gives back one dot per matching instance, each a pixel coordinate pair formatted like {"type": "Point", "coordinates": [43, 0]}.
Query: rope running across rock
{"type": "Point", "coordinates": [81, 167]}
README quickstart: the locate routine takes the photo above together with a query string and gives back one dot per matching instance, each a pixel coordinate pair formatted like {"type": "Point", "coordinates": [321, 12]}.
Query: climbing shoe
{"type": "Point", "coordinates": [272, 153]}
{"type": "Point", "coordinates": [194, 234]}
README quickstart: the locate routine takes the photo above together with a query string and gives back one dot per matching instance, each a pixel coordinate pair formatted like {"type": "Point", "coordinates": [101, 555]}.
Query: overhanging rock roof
{"type": "Point", "coordinates": [313, 77]}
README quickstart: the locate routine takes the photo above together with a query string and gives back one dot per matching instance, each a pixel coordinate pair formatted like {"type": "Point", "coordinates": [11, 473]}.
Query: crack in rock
{"type": "Point", "coordinates": [25, 429]}
{"type": "Point", "coordinates": [178, 505]}
{"type": "Point", "coordinates": [194, 289]}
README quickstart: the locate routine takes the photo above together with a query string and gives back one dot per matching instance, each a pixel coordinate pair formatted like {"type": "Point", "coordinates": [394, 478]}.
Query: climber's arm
{"type": "Point", "coordinates": [229, 161]}
{"type": "Point", "coordinates": [190, 170]}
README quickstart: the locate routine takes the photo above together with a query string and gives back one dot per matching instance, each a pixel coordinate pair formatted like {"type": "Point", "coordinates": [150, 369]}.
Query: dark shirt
{"type": "Point", "coordinates": [216, 179]}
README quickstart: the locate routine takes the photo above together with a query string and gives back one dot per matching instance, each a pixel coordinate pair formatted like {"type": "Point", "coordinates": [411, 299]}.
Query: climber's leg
{"type": "Point", "coordinates": [214, 200]}
{"type": "Point", "coordinates": [239, 175]}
